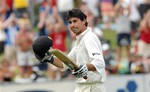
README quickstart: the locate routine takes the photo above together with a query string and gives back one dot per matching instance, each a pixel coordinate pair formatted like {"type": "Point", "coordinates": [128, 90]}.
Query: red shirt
{"type": "Point", "coordinates": [145, 36]}
{"type": "Point", "coordinates": [59, 39]}
{"type": "Point", "coordinates": [9, 3]}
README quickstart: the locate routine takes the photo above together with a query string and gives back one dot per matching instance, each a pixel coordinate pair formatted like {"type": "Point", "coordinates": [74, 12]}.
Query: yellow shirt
{"type": "Point", "coordinates": [20, 4]}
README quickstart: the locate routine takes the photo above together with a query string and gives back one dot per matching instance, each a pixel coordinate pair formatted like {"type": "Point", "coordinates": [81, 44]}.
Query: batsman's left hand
{"type": "Point", "coordinates": [48, 58]}
{"type": "Point", "coordinates": [81, 72]}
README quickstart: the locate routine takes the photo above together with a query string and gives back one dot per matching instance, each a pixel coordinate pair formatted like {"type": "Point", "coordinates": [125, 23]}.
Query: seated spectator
{"type": "Point", "coordinates": [7, 72]}
{"type": "Point", "coordinates": [136, 65]}
{"type": "Point", "coordinates": [109, 59]}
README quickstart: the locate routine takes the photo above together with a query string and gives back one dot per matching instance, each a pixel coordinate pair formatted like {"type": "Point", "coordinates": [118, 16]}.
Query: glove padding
{"type": "Point", "coordinates": [81, 72]}
{"type": "Point", "coordinates": [48, 58]}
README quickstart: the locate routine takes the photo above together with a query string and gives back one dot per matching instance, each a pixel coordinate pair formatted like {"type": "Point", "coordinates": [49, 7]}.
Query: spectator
{"type": "Point", "coordinates": [137, 64]}
{"type": "Point", "coordinates": [90, 17]}
{"type": "Point", "coordinates": [20, 7]}
{"type": "Point", "coordinates": [1, 74]}
{"type": "Point", "coordinates": [3, 7]}
{"type": "Point", "coordinates": [24, 21]}
{"type": "Point", "coordinates": [144, 41]}
{"type": "Point", "coordinates": [11, 30]}
{"type": "Point", "coordinates": [58, 32]}
{"type": "Point", "coordinates": [2, 33]}
{"type": "Point", "coordinates": [123, 30]}
{"type": "Point", "coordinates": [94, 7]}
{"type": "Point", "coordinates": [144, 6]}
{"type": "Point", "coordinates": [134, 16]}
{"type": "Point", "coordinates": [109, 59]}
{"type": "Point", "coordinates": [45, 11]}
{"type": "Point", "coordinates": [9, 4]}
{"type": "Point", "coordinates": [24, 41]}
{"type": "Point", "coordinates": [8, 73]}
{"type": "Point", "coordinates": [63, 6]}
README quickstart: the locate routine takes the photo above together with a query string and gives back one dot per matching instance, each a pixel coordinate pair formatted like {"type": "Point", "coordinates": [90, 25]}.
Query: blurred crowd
{"type": "Point", "coordinates": [22, 21]}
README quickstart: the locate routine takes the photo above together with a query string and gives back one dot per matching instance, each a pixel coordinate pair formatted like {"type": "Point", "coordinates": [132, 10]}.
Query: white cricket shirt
{"type": "Point", "coordinates": [87, 50]}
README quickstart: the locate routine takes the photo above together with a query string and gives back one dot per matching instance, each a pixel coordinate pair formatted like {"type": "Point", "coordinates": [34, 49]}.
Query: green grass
{"type": "Point", "coordinates": [111, 36]}
{"type": "Point", "coordinates": [1, 57]}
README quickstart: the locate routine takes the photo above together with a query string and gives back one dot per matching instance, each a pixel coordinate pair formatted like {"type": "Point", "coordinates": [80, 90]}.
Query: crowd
{"type": "Point", "coordinates": [18, 31]}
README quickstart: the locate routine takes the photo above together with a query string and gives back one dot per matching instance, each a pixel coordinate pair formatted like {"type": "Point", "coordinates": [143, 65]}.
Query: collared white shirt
{"type": "Point", "coordinates": [87, 50]}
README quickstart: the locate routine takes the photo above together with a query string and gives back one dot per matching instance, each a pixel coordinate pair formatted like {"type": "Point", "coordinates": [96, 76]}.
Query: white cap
{"type": "Point", "coordinates": [105, 47]}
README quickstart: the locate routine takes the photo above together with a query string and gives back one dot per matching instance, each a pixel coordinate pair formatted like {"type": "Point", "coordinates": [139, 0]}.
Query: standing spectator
{"type": "Point", "coordinates": [58, 32]}
{"type": "Point", "coordinates": [45, 10]}
{"type": "Point", "coordinates": [123, 31]}
{"type": "Point", "coordinates": [24, 21]}
{"type": "Point", "coordinates": [144, 41]}
{"type": "Point", "coordinates": [41, 24]}
{"type": "Point", "coordinates": [2, 33]}
{"type": "Point", "coordinates": [134, 16]}
{"type": "Point", "coordinates": [20, 7]}
{"type": "Point", "coordinates": [90, 17]}
{"type": "Point", "coordinates": [3, 9]}
{"type": "Point", "coordinates": [59, 35]}
{"type": "Point", "coordinates": [24, 41]}
{"type": "Point", "coordinates": [11, 30]}
{"type": "Point", "coordinates": [63, 6]}
{"type": "Point", "coordinates": [9, 4]}
{"type": "Point", "coordinates": [94, 7]}
{"type": "Point", "coordinates": [144, 6]}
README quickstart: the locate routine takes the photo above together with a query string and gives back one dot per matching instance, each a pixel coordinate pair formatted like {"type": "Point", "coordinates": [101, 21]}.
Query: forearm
{"type": "Point", "coordinates": [57, 63]}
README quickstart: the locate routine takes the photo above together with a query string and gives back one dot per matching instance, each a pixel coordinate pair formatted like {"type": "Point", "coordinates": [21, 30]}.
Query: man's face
{"type": "Point", "coordinates": [76, 25]}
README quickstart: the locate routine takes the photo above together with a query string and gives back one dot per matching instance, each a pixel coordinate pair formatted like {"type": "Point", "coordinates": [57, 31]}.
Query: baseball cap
{"type": "Point", "coordinates": [41, 45]}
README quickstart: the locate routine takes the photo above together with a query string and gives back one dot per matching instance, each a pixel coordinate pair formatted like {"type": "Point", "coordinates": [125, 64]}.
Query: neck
{"type": "Point", "coordinates": [81, 31]}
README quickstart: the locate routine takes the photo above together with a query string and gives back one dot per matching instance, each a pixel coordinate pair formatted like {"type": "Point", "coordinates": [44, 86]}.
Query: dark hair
{"type": "Point", "coordinates": [77, 13]}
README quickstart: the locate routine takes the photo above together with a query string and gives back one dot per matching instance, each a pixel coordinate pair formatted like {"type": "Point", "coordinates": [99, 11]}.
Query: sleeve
{"type": "Point", "coordinates": [94, 51]}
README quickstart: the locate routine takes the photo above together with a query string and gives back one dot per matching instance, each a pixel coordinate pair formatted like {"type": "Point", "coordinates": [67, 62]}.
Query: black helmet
{"type": "Point", "coordinates": [41, 46]}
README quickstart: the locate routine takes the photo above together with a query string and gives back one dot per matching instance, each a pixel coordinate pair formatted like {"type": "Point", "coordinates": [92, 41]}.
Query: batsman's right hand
{"type": "Point", "coordinates": [81, 72]}
{"type": "Point", "coordinates": [41, 47]}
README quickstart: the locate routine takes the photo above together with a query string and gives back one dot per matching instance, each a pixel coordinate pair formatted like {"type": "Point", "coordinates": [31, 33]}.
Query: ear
{"type": "Point", "coordinates": [84, 21]}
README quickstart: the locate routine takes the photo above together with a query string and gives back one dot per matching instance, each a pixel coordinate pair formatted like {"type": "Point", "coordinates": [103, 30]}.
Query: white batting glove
{"type": "Point", "coordinates": [81, 72]}
{"type": "Point", "coordinates": [48, 58]}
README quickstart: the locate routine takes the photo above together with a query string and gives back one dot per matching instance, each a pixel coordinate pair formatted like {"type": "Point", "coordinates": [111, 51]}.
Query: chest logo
{"type": "Point", "coordinates": [95, 54]}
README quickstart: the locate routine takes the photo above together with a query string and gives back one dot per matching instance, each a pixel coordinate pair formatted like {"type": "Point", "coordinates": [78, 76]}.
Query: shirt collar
{"type": "Point", "coordinates": [83, 33]}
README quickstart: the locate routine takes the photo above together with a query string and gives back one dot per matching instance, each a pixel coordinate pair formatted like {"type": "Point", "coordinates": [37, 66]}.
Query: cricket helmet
{"type": "Point", "coordinates": [41, 45]}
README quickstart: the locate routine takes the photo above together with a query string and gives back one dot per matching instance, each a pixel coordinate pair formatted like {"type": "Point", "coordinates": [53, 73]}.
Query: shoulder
{"type": "Point", "coordinates": [91, 39]}
{"type": "Point", "coordinates": [90, 36]}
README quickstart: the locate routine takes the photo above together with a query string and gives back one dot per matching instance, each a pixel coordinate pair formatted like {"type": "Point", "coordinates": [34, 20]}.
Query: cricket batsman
{"type": "Point", "coordinates": [87, 54]}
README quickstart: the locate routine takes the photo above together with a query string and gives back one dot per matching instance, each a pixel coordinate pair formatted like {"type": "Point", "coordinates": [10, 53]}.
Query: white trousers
{"type": "Point", "coordinates": [93, 87]}
{"type": "Point", "coordinates": [143, 49]}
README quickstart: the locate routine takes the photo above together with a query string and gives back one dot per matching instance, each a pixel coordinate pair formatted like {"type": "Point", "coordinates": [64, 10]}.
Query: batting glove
{"type": "Point", "coordinates": [81, 72]}
{"type": "Point", "coordinates": [48, 58]}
